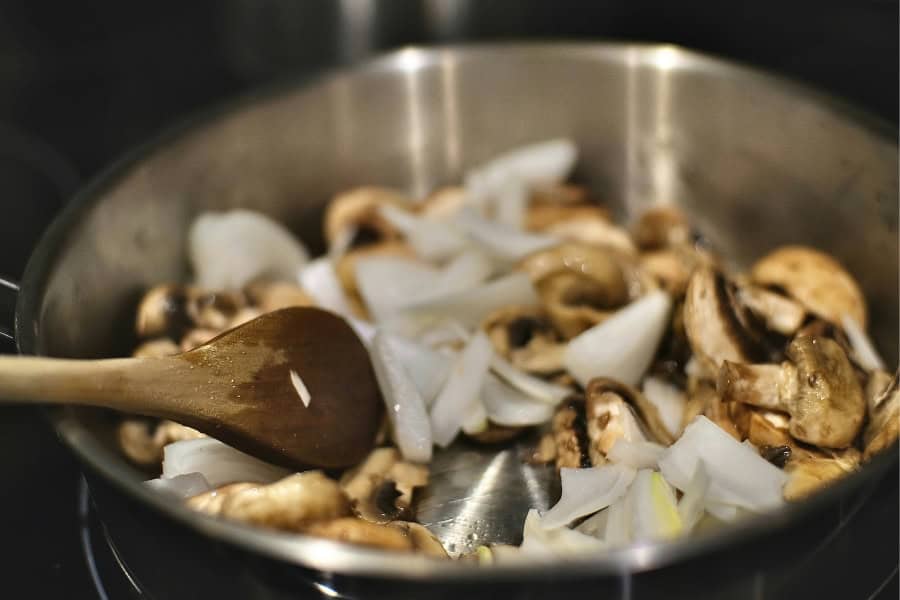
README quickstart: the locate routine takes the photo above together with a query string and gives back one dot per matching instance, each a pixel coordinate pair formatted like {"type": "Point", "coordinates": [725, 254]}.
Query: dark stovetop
{"type": "Point", "coordinates": [92, 78]}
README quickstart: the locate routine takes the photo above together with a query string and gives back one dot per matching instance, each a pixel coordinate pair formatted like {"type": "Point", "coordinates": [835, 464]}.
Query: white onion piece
{"type": "Point", "coordinates": [468, 307]}
{"type": "Point", "coordinates": [508, 406]}
{"type": "Point", "coordinates": [623, 346]}
{"type": "Point", "coordinates": [863, 349]}
{"type": "Point", "coordinates": [510, 202]}
{"type": "Point", "coordinates": [217, 462]}
{"type": "Point", "coordinates": [585, 491]}
{"type": "Point", "coordinates": [320, 281]}
{"type": "Point", "coordinates": [595, 525]}
{"type": "Point", "coordinates": [228, 250]}
{"type": "Point", "coordinates": [444, 334]}
{"type": "Point", "coordinates": [541, 163]}
{"type": "Point", "coordinates": [655, 512]}
{"type": "Point", "coordinates": [539, 541]}
{"type": "Point", "coordinates": [389, 283]}
{"type": "Point", "coordinates": [723, 512]}
{"type": "Point", "coordinates": [668, 400]}
{"type": "Point", "coordinates": [618, 520]}
{"type": "Point", "coordinates": [738, 475]}
{"type": "Point", "coordinates": [476, 420]}
{"type": "Point", "coordinates": [460, 395]}
{"type": "Point", "coordinates": [534, 387]}
{"type": "Point", "coordinates": [181, 486]}
{"type": "Point", "coordinates": [432, 240]}
{"type": "Point", "coordinates": [403, 401]}
{"type": "Point", "coordinates": [465, 271]}
{"type": "Point", "coordinates": [635, 454]}
{"type": "Point", "coordinates": [692, 503]}
{"type": "Point", "coordinates": [503, 242]}
{"type": "Point", "coordinates": [428, 368]}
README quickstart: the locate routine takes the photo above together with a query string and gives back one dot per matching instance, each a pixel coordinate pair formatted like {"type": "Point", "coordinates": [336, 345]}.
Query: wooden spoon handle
{"type": "Point", "coordinates": [125, 384]}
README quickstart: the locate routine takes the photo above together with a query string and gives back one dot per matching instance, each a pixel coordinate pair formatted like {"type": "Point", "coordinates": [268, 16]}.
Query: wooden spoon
{"type": "Point", "coordinates": [294, 387]}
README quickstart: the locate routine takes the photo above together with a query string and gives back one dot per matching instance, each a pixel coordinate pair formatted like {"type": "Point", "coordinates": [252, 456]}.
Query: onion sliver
{"type": "Point", "coordinates": [539, 541]}
{"type": "Point", "coordinates": [635, 454]}
{"type": "Point", "coordinates": [538, 164]}
{"type": "Point", "coordinates": [320, 281]}
{"type": "Point", "coordinates": [217, 462]}
{"type": "Point", "coordinates": [585, 491]}
{"type": "Point", "coordinates": [403, 401]}
{"type": "Point", "coordinates": [668, 400]}
{"type": "Point", "coordinates": [460, 395]}
{"type": "Point", "coordinates": [534, 387]}
{"type": "Point", "coordinates": [432, 240]}
{"type": "Point", "coordinates": [508, 406]}
{"type": "Point", "coordinates": [655, 511]}
{"type": "Point", "coordinates": [181, 486]}
{"type": "Point", "coordinates": [428, 368]}
{"type": "Point", "coordinates": [503, 242]}
{"type": "Point", "coordinates": [623, 346]}
{"type": "Point", "coordinates": [863, 349]}
{"type": "Point", "coordinates": [389, 283]}
{"type": "Point", "coordinates": [228, 250]}
{"type": "Point", "coordinates": [692, 503]}
{"type": "Point", "coordinates": [738, 475]}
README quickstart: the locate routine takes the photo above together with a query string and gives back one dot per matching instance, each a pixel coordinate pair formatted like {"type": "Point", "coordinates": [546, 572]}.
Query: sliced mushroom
{"type": "Point", "coordinates": [704, 400]}
{"type": "Point", "coordinates": [246, 314]}
{"type": "Point", "coordinates": [156, 348]}
{"type": "Point", "coordinates": [884, 420]}
{"type": "Point", "coordinates": [197, 337]}
{"type": "Point", "coordinates": [142, 440]}
{"type": "Point", "coordinates": [443, 202]}
{"type": "Point", "coordinates": [811, 470]}
{"type": "Point", "coordinates": [561, 194]}
{"type": "Point", "coordinates": [877, 384]}
{"type": "Point", "coordinates": [661, 226]}
{"type": "Point", "coordinates": [594, 231]}
{"type": "Point", "coordinates": [423, 540]}
{"type": "Point", "coordinates": [290, 504]}
{"type": "Point", "coordinates": [357, 211]}
{"type": "Point", "coordinates": [524, 336]}
{"type": "Point", "coordinates": [817, 387]}
{"type": "Point", "coordinates": [268, 296]}
{"type": "Point", "coordinates": [381, 488]}
{"type": "Point", "coordinates": [602, 390]}
{"type": "Point", "coordinates": [544, 451]}
{"type": "Point", "coordinates": [581, 285]}
{"type": "Point", "coordinates": [764, 428]}
{"type": "Point", "coordinates": [815, 280]}
{"type": "Point", "coordinates": [570, 436]}
{"type": "Point", "coordinates": [163, 312]}
{"type": "Point", "coordinates": [779, 313]}
{"type": "Point", "coordinates": [214, 310]}
{"type": "Point", "coordinates": [674, 351]}
{"type": "Point", "coordinates": [540, 216]}
{"type": "Point", "coordinates": [403, 537]}
{"type": "Point", "coordinates": [713, 323]}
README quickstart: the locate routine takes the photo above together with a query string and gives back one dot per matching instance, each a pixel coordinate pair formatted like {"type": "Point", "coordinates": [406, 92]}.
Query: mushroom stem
{"type": "Point", "coordinates": [765, 386]}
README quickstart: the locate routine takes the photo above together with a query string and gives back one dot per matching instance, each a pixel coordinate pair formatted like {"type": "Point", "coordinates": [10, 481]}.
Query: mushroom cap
{"type": "Point", "coordinates": [443, 202]}
{"type": "Point", "coordinates": [828, 407]}
{"type": "Point", "coordinates": [661, 226]}
{"type": "Point", "coordinates": [601, 388]}
{"type": "Point", "coordinates": [540, 216]}
{"type": "Point", "coordinates": [358, 208]}
{"type": "Point", "coordinates": [814, 279]}
{"type": "Point", "coordinates": [163, 312]}
{"type": "Point", "coordinates": [811, 470]}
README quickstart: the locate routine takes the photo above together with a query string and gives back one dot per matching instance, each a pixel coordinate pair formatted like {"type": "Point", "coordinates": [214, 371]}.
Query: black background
{"type": "Point", "coordinates": [92, 78]}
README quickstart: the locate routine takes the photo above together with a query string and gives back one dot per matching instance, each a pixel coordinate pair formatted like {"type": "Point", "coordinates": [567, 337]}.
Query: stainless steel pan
{"type": "Point", "coordinates": [755, 161]}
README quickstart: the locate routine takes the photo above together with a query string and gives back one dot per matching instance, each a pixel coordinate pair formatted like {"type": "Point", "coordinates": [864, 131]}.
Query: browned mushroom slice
{"type": "Point", "coordinates": [815, 280]}
{"type": "Point", "coordinates": [380, 489]}
{"type": "Point", "coordinates": [659, 227]}
{"type": "Point", "coordinates": [595, 231]}
{"type": "Point", "coordinates": [779, 313]}
{"type": "Point", "coordinates": [156, 348]}
{"type": "Point", "coordinates": [671, 267]}
{"type": "Point", "coordinates": [602, 394]}
{"type": "Point", "coordinates": [443, 202]}
{"type": "Point", "coordinates": [142, 439]}
{"type": "Point", "coordinates": [423, 540]}
{"type": "Point", "coordinates": [269, 296]}
{"type": "Point", "coordinates": [561, 194]}
{"type": "Point", "coordinates": [524, 336]}
{"type": "Point", "coordinates": [704, 400]}
{"type": "Point", "coordinates": [817, 387]}
{"type": "Point", "coordinates": [397, 536]}
{"type": "Point", "coordinates": [764, 428]}
{"type": "Point", "coordinates": [570, 436]}
{"type": "Point", "coordinates": [214, 310]}
{"type": "Point", "coordinates": [541, 216]}
{"type": "Point", "coordinates": [811, 470]}
{"type": "Point", "coordinates": [884, 419]}
{"type": "Point", "coordinates": [357, 211]}
{"type": "Point", "coordinates": [713, 323]}
{"type": "Point", "coordinates": [163, 311]}
{"type": "Point", "coordinates": [290, 504]}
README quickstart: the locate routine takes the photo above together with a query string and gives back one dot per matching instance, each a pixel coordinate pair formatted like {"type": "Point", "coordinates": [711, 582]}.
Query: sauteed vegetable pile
{"type": "Point", "coordinates": [671, 391]}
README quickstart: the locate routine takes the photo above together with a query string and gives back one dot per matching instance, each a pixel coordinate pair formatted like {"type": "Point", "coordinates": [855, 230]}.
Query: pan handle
{"type": "Point", "coordinates": [8, 288]}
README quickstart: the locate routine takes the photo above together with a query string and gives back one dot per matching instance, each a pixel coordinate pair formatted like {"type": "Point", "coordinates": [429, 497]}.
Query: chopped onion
{"type": "Point", "coordinates": [510, 202]}
{"type": "Point", "coordinates": [863, 349]}
{"type": "Point", "coordinates": [722, 512]}
{"type": "Point", "coordinates": [476, 420]}
{"type": "Point", "coordinates": [428, 368]}
{"type": "Point", "coordinates": [320, 281]}
{"type": "Point", "coordinates": [403, 401]}
{"type": "Point", "coordinates": [585, 491]}
{"type": "Point", "coordinates": [534, 387]}
{"type": "Point", "coordinates": [595, 525]}
{"type": "Point", "coordinates": [623, 346]}
{"type": "Point", "coordinates": [508, 406]}
{"type": "Point", "coordinates": [228, 250]}
{"type": "Point", "coordinates": [635, 454]}
{"type": "Point", "coordinates": [468, 307]}
{"type": "Point", "coordinates": [432, 240]}
{"type": "Point", "coordinates": [503, 242]}
{"type": "Point", "coordinates": [539, 541]}
{"type": "Point", "coordinates": [738, 475]}
{"type": "Point", "coordinates": [217, 462]}
{"type": "Point", "coordinates": [655, 512]}
{"type": "Point", "coordinates": [465, 271]}
{"type": "Point", "coordinates": [668, 400]}
{"type": "Point", "coordinates": [538, 164]}
{"type": "Point", "coordinates": [692, 503]}
{"type": "Point", "coordinates": [389, 283]}
{"type": "Point", "coordinates": [460, 394]}
{"type": "Point", "coordinates": [618, 520]}
{"type": "Point", "coordinates": [181, 486]}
